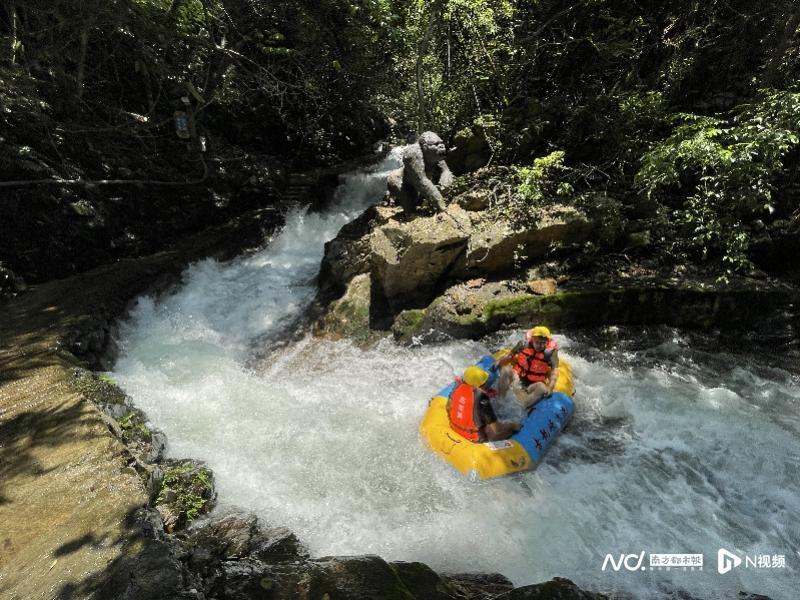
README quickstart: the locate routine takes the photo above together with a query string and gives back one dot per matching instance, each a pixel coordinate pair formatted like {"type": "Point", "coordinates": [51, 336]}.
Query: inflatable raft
{"type": "Point", "coordinates": [522, 451]}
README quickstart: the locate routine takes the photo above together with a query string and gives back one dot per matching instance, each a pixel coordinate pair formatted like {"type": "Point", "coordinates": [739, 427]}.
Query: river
{"type": "Point", "coordinates": [671, 449]}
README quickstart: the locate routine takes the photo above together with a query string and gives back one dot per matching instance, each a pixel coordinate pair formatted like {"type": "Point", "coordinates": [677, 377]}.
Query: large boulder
{"type": "Point", "coordinates": [497, 246]}
{"type": "Point", "coordinates": [464, 311]}
{"type": "Point", "coordinates": [409, 259]}
{"type": "Point", "coordinates": [350, 316]}
{"type": "Point", "coordinates": [348, 254]}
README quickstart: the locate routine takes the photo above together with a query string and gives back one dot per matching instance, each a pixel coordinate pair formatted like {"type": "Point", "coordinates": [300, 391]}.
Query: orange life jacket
{"type": "Point", "coordinates": [533, 366]}
{"type": "Point", "coordinates": [463, 411]}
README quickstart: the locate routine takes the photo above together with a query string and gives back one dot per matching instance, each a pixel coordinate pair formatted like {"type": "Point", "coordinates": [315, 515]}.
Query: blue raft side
{"type": "Point", "coordinates": [543, 424]}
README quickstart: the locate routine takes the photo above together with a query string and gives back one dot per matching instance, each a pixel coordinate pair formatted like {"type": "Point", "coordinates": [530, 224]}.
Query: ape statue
{"type": "Point", "coordinates": [424, 168]}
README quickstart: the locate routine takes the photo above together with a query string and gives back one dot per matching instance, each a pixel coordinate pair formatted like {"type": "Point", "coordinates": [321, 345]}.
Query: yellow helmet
{"type": "Point", "coordinates": [538, 331]}
{"type": "Point", "coordinates": [475, 376]}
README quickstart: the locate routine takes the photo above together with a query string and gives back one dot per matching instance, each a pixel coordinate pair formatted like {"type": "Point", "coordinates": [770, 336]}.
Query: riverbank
{"type": "Point", "coordinates": [69, 496]}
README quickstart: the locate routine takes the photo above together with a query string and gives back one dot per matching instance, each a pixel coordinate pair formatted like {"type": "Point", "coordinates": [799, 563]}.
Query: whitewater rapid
{"type": "Point", "coordinates": [664, 455]}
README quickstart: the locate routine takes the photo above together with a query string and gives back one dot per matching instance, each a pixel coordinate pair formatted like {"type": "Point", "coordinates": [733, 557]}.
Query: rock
{"type": "Point", "coordinates": [370, 577]}
{"type": "Point", "coordinates": [244, 580]}
{"type": "Point", "coordinates": [422, 581]}
{"type": "Point", "coordinates": [471, 151]}
{"type": "Point", "coordinates": [480, 586]}
{"type": "Point", "coordinates": [149, 523]}
{"type": "Point", "coordinates": [463, 312]}
{"type": "Point", "coordinates": [158, 444]}
{"type": "Point", "coordinates": [115, 411]}
{"type": "Point", "coordinates": [349, 316]}
{"type": "Point", "coordinates": [169, 517]}
{"type": "Point", "coordinates": [187, 492]}
{"type": "Point", "coordinates": [154, 483]}
{"type": "Point", "coordinates": [239, 537]}
{"type": "Point", "coordinates": [475, 200]}
{"type": "Point", "coordinates": [556, 589]}
{"type": "Point", "coordinates": [407, 323]}
{"type": "Point", "coordinates": [543, 287]}
{"type": "Point", "coordinates": [409, 259]}
{"type": "Point", "coordinates": [277, 544]}
{"type": "Point", "coordinates": [221, 539]}
{"type": "Point", "coordinates": [348, 254]}
{"type": "Point", "coordinates": [147, 571]}
{"type": "Point", "coordinates": [495, 246]}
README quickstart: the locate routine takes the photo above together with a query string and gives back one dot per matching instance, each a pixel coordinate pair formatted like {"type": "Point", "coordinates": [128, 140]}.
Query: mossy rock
{"type": "Point", "coordinates": [407, 323]}
{"type": "Point", "coordinates": [187, 491]}
{"type": "Point", "coordinates": [99, 388]}
{"type": "Point", "coordinates": [464, 314]}
{"type": "Point", "coordinates": [351, 315]}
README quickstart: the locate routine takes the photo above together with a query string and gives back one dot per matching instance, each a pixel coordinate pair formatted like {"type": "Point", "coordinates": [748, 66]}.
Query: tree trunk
{"type": "Point", "coordinates": [422, 49]}
{"type": "Point", "coordinates": [771, 74]}
{"type": "Point", "coordinates": [82, 63]}
{"type": "Point", "coordinates": [14, 39]}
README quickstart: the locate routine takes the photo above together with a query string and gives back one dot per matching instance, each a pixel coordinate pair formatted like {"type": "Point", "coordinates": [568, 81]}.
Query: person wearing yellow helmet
{"type": "Point", "coordinates": [470, 410]}
{"type": "Point", "coordinates": [531, 364]}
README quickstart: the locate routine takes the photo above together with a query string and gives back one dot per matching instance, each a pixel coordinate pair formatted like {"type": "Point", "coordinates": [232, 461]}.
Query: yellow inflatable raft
{"type": "Point", "coordinates": [521, 452]}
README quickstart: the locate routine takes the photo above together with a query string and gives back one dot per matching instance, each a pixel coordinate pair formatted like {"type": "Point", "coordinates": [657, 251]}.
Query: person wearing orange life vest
{"type": "Point", "coordinates": [532, 364]}
{"type": "Point", "coordinates": [469, 408]}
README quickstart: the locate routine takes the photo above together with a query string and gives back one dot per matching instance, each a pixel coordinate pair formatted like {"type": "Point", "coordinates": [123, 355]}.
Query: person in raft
{"type": "Point", "coordinates": [532, 364]}
{"type": "Point", "coordinates": [470, 409]}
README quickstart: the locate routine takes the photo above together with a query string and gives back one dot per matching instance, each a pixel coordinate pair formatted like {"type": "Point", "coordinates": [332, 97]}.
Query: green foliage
{"type": "Point", "coordinates": [726, 166]}
{"type": "Point", "coordinates": [525, 192]}
{"type": "Point", "coordinates": [190, 487]}
{"type": "Point", "coordinates": [448, 60]}
{"type": "Point", "coordinates": [538, 182]}
{"type": "Point", "coordinates": [134, 427]}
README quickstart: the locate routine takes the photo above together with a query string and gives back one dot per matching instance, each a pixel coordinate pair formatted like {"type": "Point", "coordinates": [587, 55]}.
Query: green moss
{"type": "Point", "coordinates": [511, 306]}
{"type": "Point", "coordinates": [408, 322]}
{"type": "Point", "coordinates": [682, 307]}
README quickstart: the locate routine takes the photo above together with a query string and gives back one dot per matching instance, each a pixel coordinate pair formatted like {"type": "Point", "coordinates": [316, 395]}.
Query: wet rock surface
{"type": "Point", "coordinates": [467, 271]}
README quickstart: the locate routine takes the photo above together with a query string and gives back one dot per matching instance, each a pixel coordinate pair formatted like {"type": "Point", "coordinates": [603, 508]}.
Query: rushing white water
{"type": "Point", "coordinates": [664, 455]}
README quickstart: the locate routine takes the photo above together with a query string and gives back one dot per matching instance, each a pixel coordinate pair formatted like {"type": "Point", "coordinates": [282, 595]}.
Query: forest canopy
{"type": "Point", "coordinates": [688, 105]}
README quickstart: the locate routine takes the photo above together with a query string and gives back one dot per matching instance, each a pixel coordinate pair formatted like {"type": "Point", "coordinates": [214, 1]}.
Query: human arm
{"type": "Point", "coordinates": [552, 376]}
{"type": "Point", "coordinates": [509, 356]}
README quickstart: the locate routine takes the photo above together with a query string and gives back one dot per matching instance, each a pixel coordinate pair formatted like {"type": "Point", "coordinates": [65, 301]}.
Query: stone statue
{"type": "Point", "coordinates": [424, 168]}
